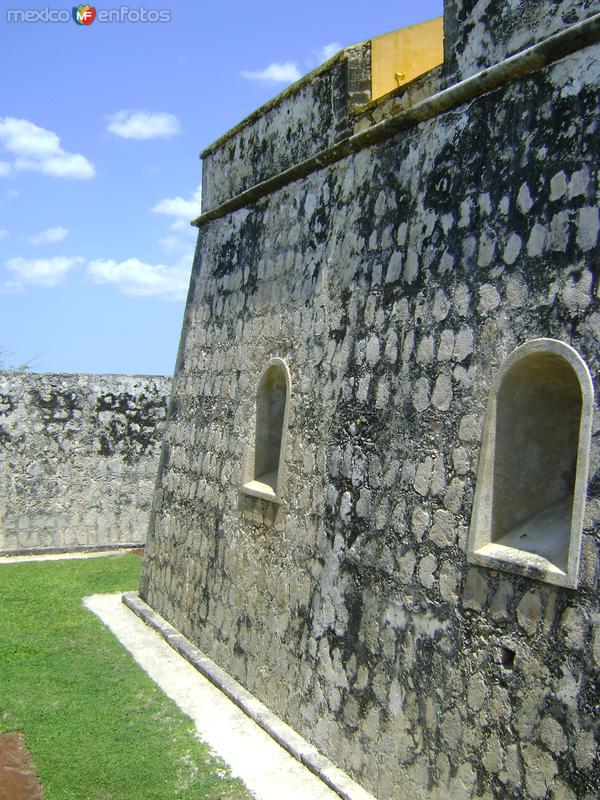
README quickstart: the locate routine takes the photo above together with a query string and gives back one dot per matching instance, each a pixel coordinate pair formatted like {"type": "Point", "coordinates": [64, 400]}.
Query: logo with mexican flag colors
{"type": "Point", "coordinates": [84, 15]}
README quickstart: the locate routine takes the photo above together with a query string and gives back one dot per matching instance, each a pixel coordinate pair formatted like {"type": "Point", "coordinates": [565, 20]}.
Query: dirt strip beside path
{"type": "Point", "coordinates": [18, 780]}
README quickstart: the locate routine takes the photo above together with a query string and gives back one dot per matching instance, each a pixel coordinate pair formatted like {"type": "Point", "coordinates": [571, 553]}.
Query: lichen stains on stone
{"type": "Point", "coordinates": [55, 406]}
{"type": "Point", "coordinates": [394, 283]}
{"type": "Point", "coordinates": [78, 454]}
{"type": "Point", "coordinates": [130, 424]}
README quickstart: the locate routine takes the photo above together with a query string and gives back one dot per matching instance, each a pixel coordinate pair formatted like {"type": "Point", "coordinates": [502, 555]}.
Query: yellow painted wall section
{"type": "Point", "coordinates": [408, 52]}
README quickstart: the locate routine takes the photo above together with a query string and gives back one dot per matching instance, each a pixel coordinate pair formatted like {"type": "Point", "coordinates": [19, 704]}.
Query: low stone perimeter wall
{"type": "Point", "coordinates": [78, 458]}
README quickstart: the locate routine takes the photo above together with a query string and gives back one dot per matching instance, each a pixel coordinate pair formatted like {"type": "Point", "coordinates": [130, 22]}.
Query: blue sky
{"type": "Point", "coordinates": [100, 130]}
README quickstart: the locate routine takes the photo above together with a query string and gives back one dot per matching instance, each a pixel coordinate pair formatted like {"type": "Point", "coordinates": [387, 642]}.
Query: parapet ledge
{"type": "Point", "coordinates": [309, 116]}
{"type": "Point", "coordinates": [285, 95]}
{"type": "Point", "coordinates": [400, 99]}
{"type": "Point", "coordinates": [331, 113]}
{"type": "Point", "coordinates": [318, 111]}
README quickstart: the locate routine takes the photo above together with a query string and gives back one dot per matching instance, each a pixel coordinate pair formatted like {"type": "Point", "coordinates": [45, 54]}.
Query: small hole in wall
{"type": "Point", "coordinates": [507, 657]}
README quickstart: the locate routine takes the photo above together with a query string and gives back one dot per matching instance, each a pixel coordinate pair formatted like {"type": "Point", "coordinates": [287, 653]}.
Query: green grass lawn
{"type": "Point", "coordinates": [96, 725]}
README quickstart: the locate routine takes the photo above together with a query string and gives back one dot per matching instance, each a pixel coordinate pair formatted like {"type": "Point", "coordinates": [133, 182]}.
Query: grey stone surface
{"type": "Point", "coordinates": [479, 33]}
{"type": "Point", "coordinates": [350, 609]}
{"type": "Point", "coordinates": [78, 458]}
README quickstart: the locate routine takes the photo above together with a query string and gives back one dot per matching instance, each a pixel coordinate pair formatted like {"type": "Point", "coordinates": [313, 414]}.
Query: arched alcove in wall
{"type": "Point", "coordinates": [265, 466]}
{"type": "Point", "coordinates": [531, 487]}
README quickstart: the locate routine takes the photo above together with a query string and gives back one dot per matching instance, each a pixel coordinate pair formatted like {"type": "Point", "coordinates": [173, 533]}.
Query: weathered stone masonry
{"type": "Point", "coordinates": [394, 282]}
{"type": "Point", "coordinates": [78, 458]}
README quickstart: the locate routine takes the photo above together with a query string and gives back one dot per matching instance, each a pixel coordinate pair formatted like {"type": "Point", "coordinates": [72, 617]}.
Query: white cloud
{"type": "Point", "coordinates": [289, 72]}
{"type": "Point", "coordinates": [130, 277]}
{"type": "Point", "coordinates": [50, 236]}
{"type": "Point", "coordinates": [326, 52]}
{"type": "Point", "coordinates": [4, 168]}
{"type": "Point", "coordinates": [46, 272]}
{"type": "Point", "coordinates": [3, 233]}
{"type": "Point", "coordinates": [134, 277]}
{"type": "Point", "coordinates": [274, 73]}
{"type": "Point", "coordinates": [65, 165]}
{"type": "Point", "coordinates": [37, 149]}
{"type": "Point", "coordinates": [143, 124]}
{"type": "Point", "coordinates": [183, 228]}
{"type": "Point", "coordinates": [186, 210]}
{"type": "Point", "coordinates": [173, 244]}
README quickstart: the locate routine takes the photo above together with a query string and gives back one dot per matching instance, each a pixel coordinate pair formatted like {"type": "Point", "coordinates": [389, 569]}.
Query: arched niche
{"type": "Point", "coordinates": [264, 467]}
{"type": "Point", "coordinates": [532, 479]}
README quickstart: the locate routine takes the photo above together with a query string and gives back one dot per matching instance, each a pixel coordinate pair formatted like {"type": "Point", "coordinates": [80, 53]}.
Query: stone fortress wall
{"type": "Point", "coordinates": [78, 458]}
{"type": "Point", "coordinates": [393, 274]}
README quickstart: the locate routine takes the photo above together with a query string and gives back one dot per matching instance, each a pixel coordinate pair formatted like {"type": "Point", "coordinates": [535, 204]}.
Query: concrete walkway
{"type": "Point", "coordinates": [266, 768]}
{"type": "Point", "coordinates": [64, 556]}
